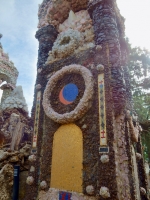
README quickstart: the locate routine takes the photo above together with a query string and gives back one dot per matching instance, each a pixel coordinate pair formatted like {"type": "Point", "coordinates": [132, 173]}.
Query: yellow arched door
{"type": "Point", "coordinates": [67, 158]}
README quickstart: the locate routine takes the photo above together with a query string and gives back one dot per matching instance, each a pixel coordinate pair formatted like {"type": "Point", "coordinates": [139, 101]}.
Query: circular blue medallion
{"type": "Point", "coordinates": [68, 93]}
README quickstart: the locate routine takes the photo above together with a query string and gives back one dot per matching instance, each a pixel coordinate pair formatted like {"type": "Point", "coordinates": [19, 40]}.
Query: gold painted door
{"type": "Point", "coordinates": [67, 158]}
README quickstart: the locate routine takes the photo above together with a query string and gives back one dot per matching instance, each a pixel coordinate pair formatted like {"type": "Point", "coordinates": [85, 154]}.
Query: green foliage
{"type": "Point", "coordinates": [139, 67]}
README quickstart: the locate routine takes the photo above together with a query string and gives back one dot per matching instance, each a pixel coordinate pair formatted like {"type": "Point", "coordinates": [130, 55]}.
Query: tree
{"type": "Point", "coordinates": [139, 68]}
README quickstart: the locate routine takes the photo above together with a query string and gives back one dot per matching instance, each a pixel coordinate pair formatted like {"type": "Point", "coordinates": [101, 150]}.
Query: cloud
{"type": "Point", "coordinates": [18, 24]}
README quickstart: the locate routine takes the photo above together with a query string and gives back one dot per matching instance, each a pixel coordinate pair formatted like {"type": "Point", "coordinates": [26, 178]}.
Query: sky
{"type": "Point", "coordinates": [18, 24]}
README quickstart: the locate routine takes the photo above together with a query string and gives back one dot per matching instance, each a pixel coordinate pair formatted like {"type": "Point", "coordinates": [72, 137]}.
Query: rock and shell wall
{"type": "Point", "coordinates": [16, 129]}
{"type": "Point", "coordinates": [84, 135]}
{"type": "Point", "coordinates": [15, 146]}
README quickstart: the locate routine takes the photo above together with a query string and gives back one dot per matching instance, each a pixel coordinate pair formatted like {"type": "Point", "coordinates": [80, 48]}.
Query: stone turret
{"type": "Point", "coordinates": [8, 73]}
{"type": "Point", "coordinates": [85, 141]}
{"type": "Point", "coordinates": [15, 129]}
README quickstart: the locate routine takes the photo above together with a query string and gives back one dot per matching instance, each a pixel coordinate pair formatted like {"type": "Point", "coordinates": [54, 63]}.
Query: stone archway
{"type": "Point", "coordinates": [67, 158]}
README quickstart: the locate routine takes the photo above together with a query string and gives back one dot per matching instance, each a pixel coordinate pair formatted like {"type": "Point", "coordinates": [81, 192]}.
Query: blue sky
{"type": "Point", "coordinates": [18, 24]}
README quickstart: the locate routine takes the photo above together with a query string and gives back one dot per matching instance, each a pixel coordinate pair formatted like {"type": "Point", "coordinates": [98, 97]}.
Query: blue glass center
{"type": "Point", "coordinates": [70, 92]}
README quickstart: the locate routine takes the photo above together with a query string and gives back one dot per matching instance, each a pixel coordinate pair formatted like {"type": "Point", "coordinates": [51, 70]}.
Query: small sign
{"type": "Point", "coordinates": [104, 150]}
{"type": "Point", "coordinates": [15, 172]}
{"type": "Point", "coordinates": [64, 195]}
{"type": "Point", "coordinates": [33, 151]}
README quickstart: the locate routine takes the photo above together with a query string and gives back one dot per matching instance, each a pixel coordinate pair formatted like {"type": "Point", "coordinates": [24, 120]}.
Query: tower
{"type": "Point", "coordinates": [8, 73]}
{"type": "Point", "coordinates": [85, 142]}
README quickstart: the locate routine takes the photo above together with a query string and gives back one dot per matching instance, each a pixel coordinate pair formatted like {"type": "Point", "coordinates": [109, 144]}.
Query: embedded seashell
{"type": "Point", "coordinates": [100, 67]}
{"type": "Point", "coordinates": [143, 191]}
{"type": "Point", "coordinates": [104, 192]}
{"type": "Point", "coordinates": [39, 70]}
{"type": "Point", "coordinates": [30, 180]}
{"type": "Point", "coordinates": [128, 114]}
{"type": "Point", "coordinates": [138, 156]}
{"type": "Point", "coordinates": [90, 189]}
{"type": "Point", "coordinates": [104, 158]}
{"type": "Point", "coordinates": [32, 169]}
{"type": "Point", "coordinates": [32, 158]}
{"type": "Point", "coordinates": [43, 185]}
{"type": "Point", "coordinates": [38, 86]}
{"type": "Point", "coordinates": [98, 47]}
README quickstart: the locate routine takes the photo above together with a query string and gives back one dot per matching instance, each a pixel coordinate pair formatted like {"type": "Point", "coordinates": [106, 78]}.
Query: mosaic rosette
{"type": "Point", "coordinates": [65, 98]}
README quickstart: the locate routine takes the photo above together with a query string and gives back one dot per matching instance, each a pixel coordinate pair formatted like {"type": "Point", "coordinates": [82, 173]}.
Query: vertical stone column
{"type": "Point", "coordinates": [46, 37]}
{"type": "Point", "coordinates": [106, 33]}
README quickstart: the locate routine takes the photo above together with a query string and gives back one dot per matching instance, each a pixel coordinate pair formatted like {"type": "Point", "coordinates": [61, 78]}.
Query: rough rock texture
{"type": "Point", "coordinates": [84, 103]}
{"type": "Point", "coordinates": [8, 72]}
{"type": "Point", "coordinates": [6, 182]}
{"type": "Point", "coordinates": [15, 100]}
{"type": "Point", "coordinates": [46, 36]}
{"type": "Point", "coordinates": [121, 158]}
{"type": "Point", "coordinates": [7, 161]}
{"type": "Point", "coordinates": [15, 128]}
{"type": "Point", "coordinates": [16, 157]}
{"type": "Point", "coordinates": [65, 45]}
{"type": "Point", "coordinates": [107, 33]}
{"type": "Point", "coordinates": [52, 194]}
{"type": "Point", "coordinates": [80, 21]}
{"type": "Point", "coordinates": [113, 176]}
{"type": "Point", "coordinates": [55, 12]}
{"type": "Point", "coordinates": [76, 34]}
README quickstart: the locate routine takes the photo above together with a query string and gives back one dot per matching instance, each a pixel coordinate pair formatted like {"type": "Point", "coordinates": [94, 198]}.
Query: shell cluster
{"type": "Point", "coordinates": [65, 45]}
{"type": "Point", "coordinates": [32, 158]}
{"type": "Point", "coordinates": [30, 180]}
{"type": "Point", "coordinates": [90, 189]}
{"type": "Point", "coordinates": [76, 34]}
{"type": "Point", "coordinates": [15, 100]}
{"type": "Point", "coordinates": [56, 11]}
{"type": "Point", "coordinates": [43, 185]}
{"type": "Point", "coordinates": [104, 158]}
{"type": "Point", "coordinates": [7, 68]}
{"type": "Point", "coordinates": [104, 192]}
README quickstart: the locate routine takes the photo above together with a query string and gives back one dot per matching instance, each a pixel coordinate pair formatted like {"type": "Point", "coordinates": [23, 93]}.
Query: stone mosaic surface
{"type": "Point", "coordinates": [108, 175]}
{"type": "Point", "coordinates": [69, 42]}
{"type": "Point", "coordinates": [76, 34]}
{"type": "Point", "coordinates": [121, 157]}
{"type": "Point", "coordinates": [55, 12]}
{"type": "Point", "coordinates": [6, 182]}
{"type": "Point", "coordinates": [84, 102]}
{"type": "Point", "coordinates": [8, 72]}
{"type": "Point", "coordinates": [56, 194]}
{"type": "Point", "coordinates": [15, 100]}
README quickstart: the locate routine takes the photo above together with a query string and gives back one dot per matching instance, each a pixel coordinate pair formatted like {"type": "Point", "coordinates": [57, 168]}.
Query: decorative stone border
{"type": "Point", "coordinates": [53, 193]}
{"type": "Point", "coordinates": [84, 103]}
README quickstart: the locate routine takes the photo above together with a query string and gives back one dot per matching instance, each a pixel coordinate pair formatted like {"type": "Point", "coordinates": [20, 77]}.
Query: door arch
{"type": "Point", "coordinates": [67, 158]}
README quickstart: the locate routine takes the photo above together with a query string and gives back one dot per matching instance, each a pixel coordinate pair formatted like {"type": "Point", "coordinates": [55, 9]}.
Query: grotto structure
{"type": "Point", "coordinates": [86, 142]}
{"type": "Point", "coordinates": [15, 130]}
